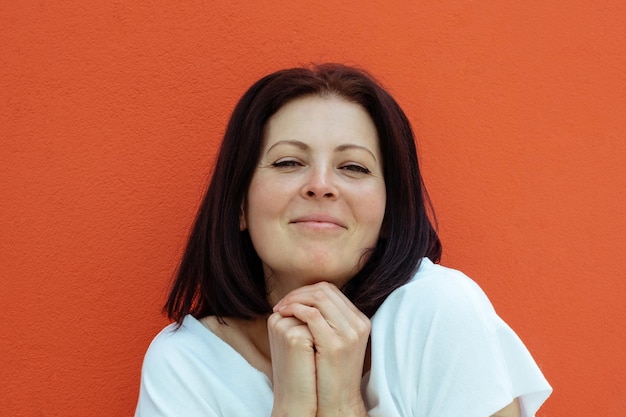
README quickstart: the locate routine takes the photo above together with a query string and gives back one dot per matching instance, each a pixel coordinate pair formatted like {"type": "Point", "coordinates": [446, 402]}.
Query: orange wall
{"type": "Point", "coordinates": [110, 115]}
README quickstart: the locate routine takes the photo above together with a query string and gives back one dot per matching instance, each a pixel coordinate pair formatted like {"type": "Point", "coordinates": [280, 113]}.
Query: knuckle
{"type": "Point", "coordinates": [313, 314]}
{"type": "Point", "coordinates": [325, 285]}
{"type": "Point", "coordinates": [364, 327]}
{"type": "Point", "coordinates": [278, 324]}
{"type": "Point", "coordinates": [353, 336]}
{"type": "Point", "coordinates": [295, 336]}
{"type": "Point", "coordinates": [334, 347]}
{"type": "Point", "coordinates": [328, 286]}
{"type": "Point", "coordinates": [319, 294]}
{"type": "Point", "coordinates": [273, 320]}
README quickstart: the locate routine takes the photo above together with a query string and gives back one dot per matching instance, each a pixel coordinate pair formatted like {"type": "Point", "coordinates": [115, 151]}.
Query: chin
{"type": "Point", "coordinates": [281, 283]}
{"type": "Point", "coordinates": [315, 274]}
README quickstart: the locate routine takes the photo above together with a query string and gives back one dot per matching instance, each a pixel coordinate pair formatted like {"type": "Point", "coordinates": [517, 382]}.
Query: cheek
{"type": "Point", "coordinates": [377, 221]}
{"type": "Point", "coordinates": [261, 205]}
{"type": "Point", "coordinates": [380, 198]}
{"type": "Point", "coordinates": [373, 213]}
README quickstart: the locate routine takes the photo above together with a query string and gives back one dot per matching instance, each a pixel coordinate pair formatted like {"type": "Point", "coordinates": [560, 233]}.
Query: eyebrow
{"type": "Point", "coordinates": [304, 146]}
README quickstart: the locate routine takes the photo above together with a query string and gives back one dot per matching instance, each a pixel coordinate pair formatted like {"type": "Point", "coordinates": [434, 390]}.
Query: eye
{"type": "Point", "coordinates": [356, 168]}
{"type": "Point", "coordinates": [286, 163]}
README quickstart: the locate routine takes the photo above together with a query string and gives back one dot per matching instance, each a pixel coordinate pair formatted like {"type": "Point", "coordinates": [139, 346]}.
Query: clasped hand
{"type": "Point", "coordinates": [318, 340]}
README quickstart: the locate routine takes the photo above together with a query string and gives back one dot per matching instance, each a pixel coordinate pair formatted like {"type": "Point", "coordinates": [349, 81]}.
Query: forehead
{"type": "Point", "coordinates": [321, 118]}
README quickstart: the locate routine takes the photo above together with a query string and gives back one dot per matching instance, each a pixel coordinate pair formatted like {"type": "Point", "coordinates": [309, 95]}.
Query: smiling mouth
{"type": "Point", "coordinates": [318, 222]}
{"type": "Point", "coordinates": [318, 225]}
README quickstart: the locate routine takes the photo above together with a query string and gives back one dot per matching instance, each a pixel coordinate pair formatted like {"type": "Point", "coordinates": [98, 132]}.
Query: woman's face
{"type": "Point", "coordinates": [316, 201]}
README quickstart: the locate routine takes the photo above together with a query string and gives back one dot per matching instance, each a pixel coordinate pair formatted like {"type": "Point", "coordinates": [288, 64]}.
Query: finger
{"type": "Point", "coordinates": [318, 310]}
{"type": "Point", "coordinates": [334, 306]}
{"type": "Point", "coordinates": [319, 292]}
{"type": "Point", "coordinates": [290, 331]}
{"type": "Point", "coordinates": [329, 338]}
{"type": "Point", "coordinates": [317, 324]}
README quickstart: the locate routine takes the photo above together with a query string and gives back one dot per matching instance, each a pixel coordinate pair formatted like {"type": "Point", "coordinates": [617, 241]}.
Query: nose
{"type": "Point", "coordinates": [320, 183]}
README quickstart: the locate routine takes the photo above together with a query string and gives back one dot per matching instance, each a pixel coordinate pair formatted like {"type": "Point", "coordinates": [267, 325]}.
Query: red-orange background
{"type": "Point", "coordinates": [111, 113]}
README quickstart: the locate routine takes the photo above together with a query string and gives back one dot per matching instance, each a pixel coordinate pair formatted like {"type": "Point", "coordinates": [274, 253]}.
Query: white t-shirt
{"type": "Point", "coordinates": [438, 350]}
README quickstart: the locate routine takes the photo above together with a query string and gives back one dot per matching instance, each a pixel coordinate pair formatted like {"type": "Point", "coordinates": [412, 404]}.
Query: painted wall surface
{"type": "Point", "coordinates": [111, 113]}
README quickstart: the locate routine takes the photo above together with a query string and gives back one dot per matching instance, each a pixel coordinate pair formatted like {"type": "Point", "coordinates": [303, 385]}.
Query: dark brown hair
{"type": "Point", "coordinates": [221, 274]}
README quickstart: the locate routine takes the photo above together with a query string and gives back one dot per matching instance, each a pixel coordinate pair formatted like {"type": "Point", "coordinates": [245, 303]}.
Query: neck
{"type": "Point", "coordinates": [256, 332]}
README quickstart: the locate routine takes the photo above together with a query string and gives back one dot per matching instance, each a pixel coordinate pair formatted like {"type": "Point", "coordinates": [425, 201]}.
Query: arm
{"type": "Point", "coordinates": [511, 410]}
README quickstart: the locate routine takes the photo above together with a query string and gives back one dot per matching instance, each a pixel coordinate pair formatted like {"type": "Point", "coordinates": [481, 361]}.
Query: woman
{"type": "Point", "coordinates": [308, 286]}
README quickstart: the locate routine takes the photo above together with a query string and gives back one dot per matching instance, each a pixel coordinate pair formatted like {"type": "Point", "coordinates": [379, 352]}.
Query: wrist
{"type": "Point", "coordinates": [356, 410]}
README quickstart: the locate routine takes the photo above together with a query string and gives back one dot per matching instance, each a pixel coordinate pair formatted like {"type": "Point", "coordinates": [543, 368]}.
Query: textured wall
{"type": "Point", "coordinates": [111, 112]}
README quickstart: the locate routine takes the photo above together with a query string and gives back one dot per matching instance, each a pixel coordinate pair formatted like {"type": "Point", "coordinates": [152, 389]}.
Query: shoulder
{"type": "Point", "coordinates": [181, 372]}
{"type": "Point", "coordinates": [174, 342]}
{"type": "Point", "coordinates": [443, 312]}
{"type": "Point", "coordinates": [435, 289]}
{"type": "Point", "coordinates": [189, 351]}
{"type": "Point", "coordinates": [441, 328]}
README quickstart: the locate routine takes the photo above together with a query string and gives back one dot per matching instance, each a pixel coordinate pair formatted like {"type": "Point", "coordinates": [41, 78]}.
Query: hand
{"type": "Point", "coordinates": [293, 367]}
{"type": "Point", "coordinates": [340, 333]}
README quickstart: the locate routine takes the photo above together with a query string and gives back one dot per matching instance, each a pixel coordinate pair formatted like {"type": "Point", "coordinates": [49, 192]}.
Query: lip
{"type": "Point", "coordinates": [319, 220]}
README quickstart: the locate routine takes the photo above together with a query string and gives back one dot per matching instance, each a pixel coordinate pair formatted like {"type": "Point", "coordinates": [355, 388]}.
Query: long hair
{"type": "Point", "coordinates": [220, 273]}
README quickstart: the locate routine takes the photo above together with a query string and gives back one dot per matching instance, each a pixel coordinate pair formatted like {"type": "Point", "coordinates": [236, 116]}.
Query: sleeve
{"type": "Point", "coordinates": [446, 353]}
{"type": "Point", "coordinates": [171, 385]}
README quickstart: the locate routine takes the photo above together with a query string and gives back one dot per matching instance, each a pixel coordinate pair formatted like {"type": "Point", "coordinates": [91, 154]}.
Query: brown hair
{"type": "Point", "coordinates": [221, 274]}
